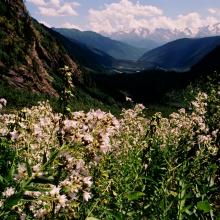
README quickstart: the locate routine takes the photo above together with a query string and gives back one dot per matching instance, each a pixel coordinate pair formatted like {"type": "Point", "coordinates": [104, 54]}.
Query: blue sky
{"type": "Point", "coordinates": [107, 16]}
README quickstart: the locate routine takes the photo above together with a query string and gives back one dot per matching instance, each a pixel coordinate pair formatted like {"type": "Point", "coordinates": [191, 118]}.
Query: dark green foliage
{"type": "Point", "coordinates": [12, 34]}
{"type": "Point", "coordinates": [19, 98]}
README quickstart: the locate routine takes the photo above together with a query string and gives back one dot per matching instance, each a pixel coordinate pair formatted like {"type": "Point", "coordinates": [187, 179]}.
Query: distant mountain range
{"type": "Point", "coordinates": [94, 41]}
{"type": "Point", "coordinates": [162, 35]}
{"type": "Point", "coordinates": [179, 55]}
{"type": "Point", "coordinates": [103, 52]}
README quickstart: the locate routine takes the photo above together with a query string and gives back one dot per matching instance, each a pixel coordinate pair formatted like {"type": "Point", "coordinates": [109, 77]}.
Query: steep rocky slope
{"type": "Point", "coordinates": [30, 57]}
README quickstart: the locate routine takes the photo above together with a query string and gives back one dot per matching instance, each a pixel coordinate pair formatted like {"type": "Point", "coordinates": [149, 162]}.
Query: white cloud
{"type": "Point", "coordinates": [37, 2]}
{"type": "Point", "coordinates": [126, 16]}
{"type": "Point", "coordinates": [122, 15]}
{"type": "Point", "coordinates": [55, 3]}
{"type": "Point", "coordinates": [54, 8]}
{"type": "Point", "coordinates": [194, 22]}
{"type": "Point", "coordinates": [69, 25]}
{"type": "Point", "coordinates": [215, 11]}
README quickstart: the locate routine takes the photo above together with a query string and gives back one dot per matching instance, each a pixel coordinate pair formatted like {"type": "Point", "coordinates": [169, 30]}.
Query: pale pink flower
{"type": "Point", "coordinates": [86, 196]}
{"type": "Point", "coordinates": [55, 191]}
{"type": "Point", "coordinates": [37, 130]}
{"type": "Point", "coordinates": [62, 200]}
{"type": "Point", "coordinates": [14, 135]}
{"type": "Point", "coordinates": [10, 191]}
{"type": "Point", "coordinates": [128, 99]}
{"type": "Point", "coordinates": [69, 124]}
{"type": "Point", "coordinates": [87, 181]}
{"type": "Point", "coordinates": [80, 164]}
{"type": "Point", "coordinates": [88, 138]}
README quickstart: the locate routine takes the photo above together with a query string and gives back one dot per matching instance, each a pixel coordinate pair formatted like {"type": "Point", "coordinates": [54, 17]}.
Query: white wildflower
{"type": "Point", "coordinates": [88, 138]}
{"type": "Point", "coordinates": [215, 133]}
{"type": "Point", "coordinates": [86, 196]}
{"type": "Point", "coordinates": [37, 130]}
{"type": "Point", "coordinates": [37, 170]}
{"type": "Point", "coordinates": [87, 181]}
{"type": "Point", "coordinates": [22, 172]}
{"type": "Point", "coordinates": [40, 213]}
{"type": "Point", "coordinates": [33, 193]}
{"type": "Point", "coordinates": [14, 135]}
{"type": "Point", "coordinates": [128, 99]}
{"type": "Point", "coordinates": [80, 164]}
{"type": "Point", "coordinates": [55, 191]}
{"type": "Point", "coordinates": [182, 111]}
{"type": "Point", "coordinates": [73, 196]}
{"type": "Point", "coordinates": [69, 124]}
{"type": "Point", "coordinates": [99, 114]}
{"type": "Point", "coordinates": [195, 104]}
{"type": "Point", "coordinates": [10, 191]}
{"type": "Point", "coordinates": [23, 216]}
{"type": "Point", "coordinates": [62, 200]}
{"type": "Point", "coordinates": [105, 145]}
{"type": "Point", "coordinates": [202, 139]}
{"type": "Point", "coordinates": [3, 131]}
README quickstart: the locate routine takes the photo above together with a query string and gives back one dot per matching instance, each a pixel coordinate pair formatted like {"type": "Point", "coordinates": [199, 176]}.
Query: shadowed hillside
{"type": "Point", "coordinates": [179, 55]}
{"type": "Point", "coordinates": [30, 57]}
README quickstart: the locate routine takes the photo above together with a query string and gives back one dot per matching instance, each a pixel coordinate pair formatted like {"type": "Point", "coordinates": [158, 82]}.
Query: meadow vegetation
{"type": "Point", "coordinates": [93, 165]}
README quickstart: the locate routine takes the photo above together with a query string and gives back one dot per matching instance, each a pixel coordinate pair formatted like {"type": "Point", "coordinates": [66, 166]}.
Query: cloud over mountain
{"type": "Point", "coordinates": [125, 16]}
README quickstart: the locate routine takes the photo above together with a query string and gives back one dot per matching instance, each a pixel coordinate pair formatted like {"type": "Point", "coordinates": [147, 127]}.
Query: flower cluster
{"type": "Point", "coordinates": [57, 154]}
{"type": "Point", "coordinates": [36, 134]}
{"type": "Point", "coordinates": [190, 126]}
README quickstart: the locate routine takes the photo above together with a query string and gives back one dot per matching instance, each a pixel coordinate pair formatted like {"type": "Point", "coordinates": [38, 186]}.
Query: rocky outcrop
{"type": "Point", "coordinates": [30, 57]}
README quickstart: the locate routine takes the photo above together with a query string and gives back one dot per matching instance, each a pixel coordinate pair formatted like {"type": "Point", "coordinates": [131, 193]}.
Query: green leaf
{"type": "Point", "coordinates": [2, 180]}
{"type": "Point", "coordinates": [10, 202]}
{"type": "Point", "coordinates": [204, 206]}
{"type": "Point", "coordinates": [115, 215]}
{"type": "Point", "coordinates": [135, 196]}
{"type": "Point", "coordinates": [52, 158]}
{"type": "Point", "coordinates": [29, 170]}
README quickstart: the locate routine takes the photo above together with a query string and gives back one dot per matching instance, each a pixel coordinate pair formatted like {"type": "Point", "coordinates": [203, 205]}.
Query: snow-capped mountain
{"type": "Point", "coordinates": [137, 37]}
{"type": "Point", "coordinates": [143, 37]}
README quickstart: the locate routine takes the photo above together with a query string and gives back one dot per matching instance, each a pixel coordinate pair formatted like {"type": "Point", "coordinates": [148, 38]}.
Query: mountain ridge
{"type": "Point", "coordinates": [116, 49]}
{"type": "Point", "coordinates": [180, 54]}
